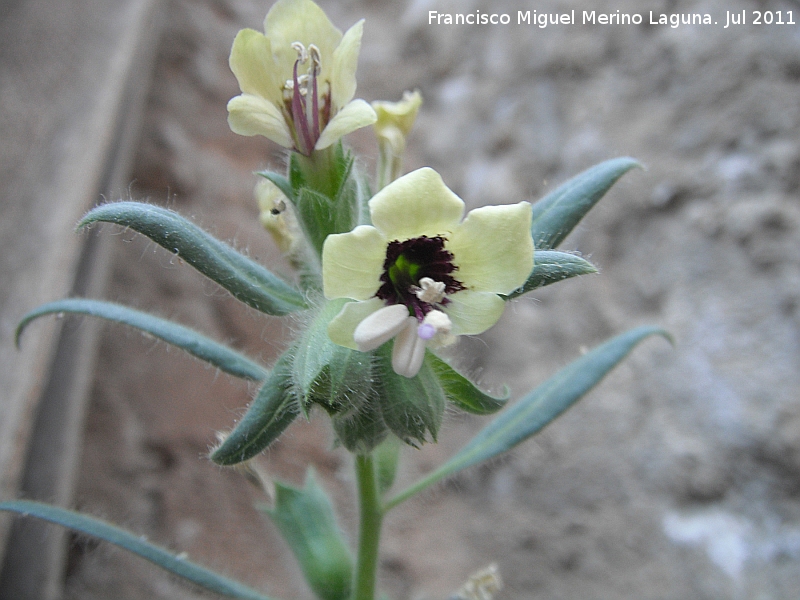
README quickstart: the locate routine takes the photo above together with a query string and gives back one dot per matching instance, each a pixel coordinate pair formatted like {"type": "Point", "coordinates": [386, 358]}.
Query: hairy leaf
{"type": "Point", "coordinates": [540, 407]}
{"type": "Point", "coordinates": [307, 522]}
{"type": "Point", "coordinates": [196, 344]}
{"type": "Point", "coordinates": [552, 266]}
{"type": "Point", "coordinates": [137, 545]}
{"type": "Point", "coordinates": [272, 411]}
{"type": "Point", "coordinates": [555, 215]}
{"type": "Point", "coordinates": [244, 278]}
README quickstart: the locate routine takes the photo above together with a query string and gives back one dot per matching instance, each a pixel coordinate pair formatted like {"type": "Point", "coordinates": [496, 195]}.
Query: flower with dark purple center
{"type": "Point", "coordinates": [420, 274]}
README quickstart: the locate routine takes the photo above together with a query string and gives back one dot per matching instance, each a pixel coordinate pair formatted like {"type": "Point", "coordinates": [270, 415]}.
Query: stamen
{"type": "Point", "coordinates": [316, 69]}
{"type": "Point", "coordinates": [302, 55]}
{"type": "Point", "coordinates": [380, 327]}
{"type": "Point", "coordinates": [430, 291]}
{"type": "Point", "coordinates": [409, 350]}
{"type": "Point", "coordinates": [436, 327]}
{"type": "Point", "coordinates": [299, 104]}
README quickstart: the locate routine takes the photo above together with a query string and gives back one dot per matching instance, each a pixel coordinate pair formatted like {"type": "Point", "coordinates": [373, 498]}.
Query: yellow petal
{"type": "Point", "coordinates": [416, 204]}
{"type": "Point", "coordinates": [252, 64]}
{"type": "Point", "coordinates": [473, 312]}
{"type": "Point", "coordinates": [252, 115]}
{"type": "Point", "coordinates": [290, 21]}
{"type": "Point", "coordinates": [343, 326]}
{"type": "Point", "coordinates": [343, 70]}
{"type": "Point", "coordinates": [355, 115]}
{"type": "Point", "coordinates": [397, 115]}
{"type": "Point", "coordinates": [352, 263]}
{"type": "Point", "coordinates": [493, 248]}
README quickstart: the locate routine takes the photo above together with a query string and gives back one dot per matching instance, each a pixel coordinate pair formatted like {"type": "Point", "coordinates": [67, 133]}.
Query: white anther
{"type": "Point", "coordinates": [380, 327]}
{"type": "Point", "coordinates": [302, 55]}
{"type": "Point", "coordinates": [409, 350]}
{"type": "Point", "coordinates": [316, 59]}
{"type": "Point", "coordinates": [437, 327]}
{"type": "Point", "coordinates": [430, 291]}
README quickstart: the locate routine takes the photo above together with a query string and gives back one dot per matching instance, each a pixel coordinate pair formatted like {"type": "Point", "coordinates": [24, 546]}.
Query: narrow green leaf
{"type": "Point", "coordinates": [245, 279]}
{"type": "Point", "coordinates": [552, 266]}
{"type": "Point", "coordinates": [461, 391]}
{"type": "Point", "coordinates": [281, 182]}
{"type": "Point", "coordinates": [411, 407]}
{"type": "Point", "coordinates": [538, 408]}
{"type": "Point", "coordinates": [272, 411]}
{"type": "Point", "coordinates": [555, 215]}
{"type": "Point", "coordinates": [137, 545]}
{"type": "Point", "coordinates": [307, 522]}
{"type": "Point", "coordinates": [196, 344]}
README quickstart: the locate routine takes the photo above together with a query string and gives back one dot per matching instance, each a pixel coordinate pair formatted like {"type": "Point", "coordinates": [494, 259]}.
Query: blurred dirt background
{"type": "Point", "coordinates": [678, 477]}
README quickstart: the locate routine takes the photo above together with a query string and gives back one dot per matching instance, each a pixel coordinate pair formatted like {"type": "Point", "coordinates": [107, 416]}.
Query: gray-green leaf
{"type": "Point", "coordinates": [137, 545]}
{"type": "Point", "coordinates": [555, 215]}
{"type": "Point", "coordinates": [552, 266]}
{"type": "Point", "coordinates": [196, 344]}
{"type": "Point", "coordinates": [244, 278]}
{"type": "Point", "coordinates": [272, 411]}
{"type": "Point", "coordinates": [540, 407]}
{"type": "Point", "coordinates": [306, 520]}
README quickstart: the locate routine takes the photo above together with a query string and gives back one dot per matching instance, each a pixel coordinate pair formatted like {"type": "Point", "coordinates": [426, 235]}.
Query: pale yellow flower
{"type": "Point", "coordinates": [420, 274]}
{"type": "Point", "coordinates": [297, 79]}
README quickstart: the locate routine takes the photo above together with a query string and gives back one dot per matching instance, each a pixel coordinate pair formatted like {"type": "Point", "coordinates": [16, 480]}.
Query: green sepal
{"type": "Point", "coordinates": [281, 182]}
{"type": "Point", "coordinates": [326, 192]}
{"type": "Point", "coordinates": [411, 407]}
{"type": "Point", "coordinates": [226, 359]}
{"type": "Point", "coordinates": [552, 266]}
{"type": "Point", "coordinates": [273, 410]}
{"type": "Point", "coordinates": [136, 544]}
{"type": "Point", "coordinates": [317, 214]}
{"type": "Point", "coordinates": [337, 378]}
{"type": "Point", "coordinates": [387, 455]}
{"type": "Point", "coordinates": [307, 522]}
{"type": "Point", "coordinates": [461, 391]}
{"type": "Point", "coordinates": [248, 281]}
{"type": "Point", "coordinates": [362, 429]}
{"type": "Point", "coordinates": [555, 215]}
{"type": "Point", "coordinates": [540, 407]}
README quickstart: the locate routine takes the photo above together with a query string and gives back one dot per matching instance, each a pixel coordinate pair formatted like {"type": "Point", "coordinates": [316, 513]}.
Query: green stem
{"type": "Point", "coordinates": [370, 528]}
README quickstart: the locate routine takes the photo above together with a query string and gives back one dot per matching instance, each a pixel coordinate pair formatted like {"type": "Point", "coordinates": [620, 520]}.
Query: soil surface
{"type": "Point", "coordinates": [678, 477]}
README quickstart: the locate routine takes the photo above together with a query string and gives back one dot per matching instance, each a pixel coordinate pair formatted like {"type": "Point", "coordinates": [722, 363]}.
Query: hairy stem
{"type": "Point", "coordinates": [369, 536]}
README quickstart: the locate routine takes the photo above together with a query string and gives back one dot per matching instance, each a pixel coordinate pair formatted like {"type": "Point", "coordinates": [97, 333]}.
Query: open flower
{"type": "Point", "coordinates": [420, 274]}
{"type": "Point", "coordinates": [298, 80]}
